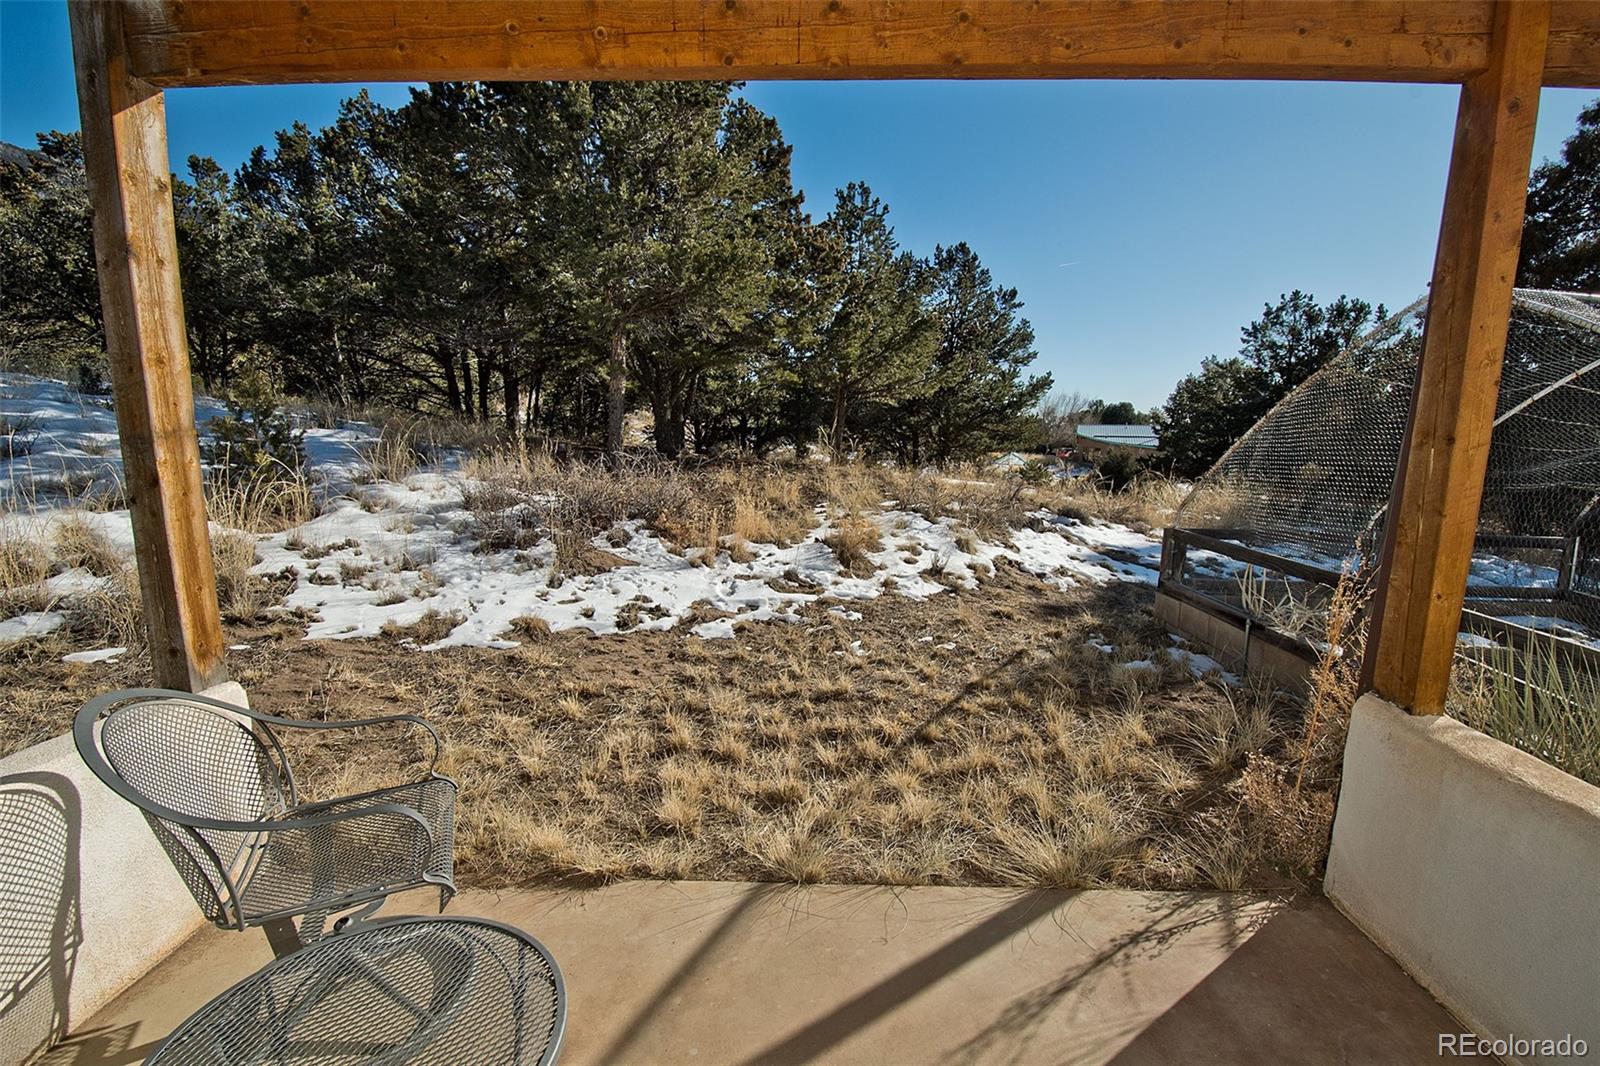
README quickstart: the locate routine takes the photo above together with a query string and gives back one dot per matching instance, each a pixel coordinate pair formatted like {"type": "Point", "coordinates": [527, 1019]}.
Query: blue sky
{"type": "Point", "coordinates": [1143, 222]}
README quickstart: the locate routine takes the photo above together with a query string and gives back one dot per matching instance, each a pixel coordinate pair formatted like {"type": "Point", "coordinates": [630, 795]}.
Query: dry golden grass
{"type": "Point", "coordinates": [109, 614]}
{"type": "Point", "coordinates": [263, 505]}
{"type": "Point", "coordinates": [520, 496]}
{"type": "Point", "coordinates": [852, 538]}
{"type": "Point", "coordinates": [1022, 755]}
{"type": "Point", "coordinates": [77, 543]}
{"type": "Point", "coordinates": [433, 626]}
{"type": "Point", "coordinates": [240, 594]}
{"type": "Point", "coordinates": [1149, 502]}
{"type": "Point", "coordinates": [24, 565]}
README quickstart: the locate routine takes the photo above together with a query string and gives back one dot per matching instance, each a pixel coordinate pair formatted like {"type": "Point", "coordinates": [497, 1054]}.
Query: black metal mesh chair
{"type": "Point", "coordinates": [215, 784]}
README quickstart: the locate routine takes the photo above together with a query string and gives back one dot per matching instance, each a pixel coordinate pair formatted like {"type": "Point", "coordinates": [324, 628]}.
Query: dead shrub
{"type": "Point", "coordinates": [24, 565]}
{"type": "Point", "coordinates": [851, 539]}
{"type": "Point", "coordinates": [240, 594]}
{"type": "Point", "coordinates": [432, 627]}
{"type": "Point", "coordinates": [77, 543]}
{"type": "Point", "coordinates": [530, 627]}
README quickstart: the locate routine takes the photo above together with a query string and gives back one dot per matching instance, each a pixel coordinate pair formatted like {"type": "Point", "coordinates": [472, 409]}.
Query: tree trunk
{"type": "Point", "coordinates": [452, 387]}
{"type": "Point", "coordinates": [513, 396]}
{"type": "Point", "coordinates": [466, 383]}
{"type": "Point", "coordinates": [836, 426]}
{"type": "Point", "coordinates": [616, 393]}
{"type": "Point", "coordinates": [666, 409]}
{"type": "Point", "coordinates": [484, 365]}
{"type": "Point", "coordinates": [536, 398]}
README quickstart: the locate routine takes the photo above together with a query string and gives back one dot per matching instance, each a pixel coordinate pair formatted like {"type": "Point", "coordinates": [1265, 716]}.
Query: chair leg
{"type": "Point", "coordinates": [283, 936]}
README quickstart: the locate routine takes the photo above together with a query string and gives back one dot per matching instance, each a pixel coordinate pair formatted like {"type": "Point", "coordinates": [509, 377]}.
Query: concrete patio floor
{"type": "Point", "coordinates": [671, 972]}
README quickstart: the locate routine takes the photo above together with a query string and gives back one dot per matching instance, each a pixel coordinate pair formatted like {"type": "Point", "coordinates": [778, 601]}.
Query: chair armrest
{"type": "Point", "coordinates": [296, 822]}
{"type": "Point", "coordinates": [363, 798]}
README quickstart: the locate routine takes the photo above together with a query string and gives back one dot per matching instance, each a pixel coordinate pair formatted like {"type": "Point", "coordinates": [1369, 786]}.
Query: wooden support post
{"type": "Point", "coordinates": [136, 251]}
{"type": "Point", "coordinates": [1433, 514]}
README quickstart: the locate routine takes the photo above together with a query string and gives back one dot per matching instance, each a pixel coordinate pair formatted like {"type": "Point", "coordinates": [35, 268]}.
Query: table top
{"type": "Point", "coordinates": [441, 991]}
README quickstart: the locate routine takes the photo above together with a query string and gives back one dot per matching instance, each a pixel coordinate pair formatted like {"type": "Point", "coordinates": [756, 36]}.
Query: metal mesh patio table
{"type": "Point", "coordinates": [446, 991]}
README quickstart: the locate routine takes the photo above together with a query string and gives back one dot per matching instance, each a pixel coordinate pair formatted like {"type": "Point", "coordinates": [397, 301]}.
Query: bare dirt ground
{"type": "Point", "coordinates": [990, 736]}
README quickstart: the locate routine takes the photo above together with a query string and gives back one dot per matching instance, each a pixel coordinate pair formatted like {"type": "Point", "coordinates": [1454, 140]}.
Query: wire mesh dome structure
{"type": "Point", "coordinates": [1308, 487]}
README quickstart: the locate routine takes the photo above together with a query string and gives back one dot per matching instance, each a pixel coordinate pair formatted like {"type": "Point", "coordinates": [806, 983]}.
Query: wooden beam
{"type": "Point", "coordinates": [130, 192]}
{"type": "Point", "coordinates": [177, 43]}
{"type": "Point", "coordinates": [1433, 515]}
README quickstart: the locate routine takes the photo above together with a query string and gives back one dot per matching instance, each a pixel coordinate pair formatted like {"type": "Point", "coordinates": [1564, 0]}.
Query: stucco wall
{"type": "Point", "coordinates": [88, 899]}
{"type": "Point", "coordinates": [1477, 866]}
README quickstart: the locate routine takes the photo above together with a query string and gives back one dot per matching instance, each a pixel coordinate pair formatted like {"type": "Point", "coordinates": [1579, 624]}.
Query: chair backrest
{"type": "Point", "coordinates": [178, 759]}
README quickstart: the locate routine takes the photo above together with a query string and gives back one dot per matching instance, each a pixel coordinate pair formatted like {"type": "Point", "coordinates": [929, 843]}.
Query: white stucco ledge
{"type": "Point", "coordinates": [1477, 867]}
{"type": "Point", "coordinates": [89, 900]}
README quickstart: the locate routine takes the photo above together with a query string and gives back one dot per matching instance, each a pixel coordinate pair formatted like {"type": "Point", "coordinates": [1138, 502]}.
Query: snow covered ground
{"type": "Point", "coordinates": [390, 552]}
{"type": "Point", "coordinates": [72, 449]}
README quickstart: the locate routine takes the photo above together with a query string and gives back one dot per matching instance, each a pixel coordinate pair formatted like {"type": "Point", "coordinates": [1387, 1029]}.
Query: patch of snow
{"type": "Point", "coordinates": [1492, 570]}
{"type": "Point", "coordinates": [31, 624]}
{"type": "Point", "coordinates": [99, 655]}
{"type": "Point", "coordinates": [1201, 666]}
{"type": "Point", "coordinates": [390, 552]}
{"type": "Point", "coordinates": [1561, 627]}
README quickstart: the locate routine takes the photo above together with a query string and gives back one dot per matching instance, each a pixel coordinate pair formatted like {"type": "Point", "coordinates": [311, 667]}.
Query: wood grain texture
{"type": "Point", "coordinates": [208, 42]}
{"type": "Point", "coordinates": [130, 191]}
{"type": "Point", "coordinates": [1433, 515]}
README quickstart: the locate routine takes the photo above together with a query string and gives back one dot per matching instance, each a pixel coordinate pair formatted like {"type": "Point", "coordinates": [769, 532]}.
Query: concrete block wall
{"type": "Point", "coordinates": [89, 901]}
{"type": "Point", "coordinates": [1477, 867]}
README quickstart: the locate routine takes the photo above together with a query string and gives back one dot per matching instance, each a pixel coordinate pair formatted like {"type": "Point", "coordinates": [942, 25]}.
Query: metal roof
{"type": "Point", "coordinates": [1126, 436]}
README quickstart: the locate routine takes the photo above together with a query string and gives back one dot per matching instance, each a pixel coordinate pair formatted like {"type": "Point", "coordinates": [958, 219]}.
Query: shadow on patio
{"type": "Point", "coordinates": [750, 973]}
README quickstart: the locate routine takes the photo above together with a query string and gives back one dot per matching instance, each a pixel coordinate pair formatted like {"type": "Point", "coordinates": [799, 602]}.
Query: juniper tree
{"type": "Point", "coordinates": [313, 203]}
{"type": "Point", "coordinates": [875, 338]}
{"type": "Point", "coordinates": [735, 300]}
{"type": "Point", "coordinates": [50, 312]}
{"type": "Point", "coordinates": [980, 399]}
{"type": "Point", "coordinates": [220, 266]}
{"type": "Point", "coordinates": [648, 162]}
{"type": "Point", "coordinates": [1292, 340]}
{"type": "Point", "coordinates": [1561, 230]}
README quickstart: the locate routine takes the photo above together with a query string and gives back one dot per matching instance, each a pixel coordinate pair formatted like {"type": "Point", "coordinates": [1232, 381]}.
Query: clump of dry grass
{"type": "Point", "coordinates": [24, 565]}
{"type": "Point", "coordinates": [432, 627]}
{"type": "Point", "coordinates": [262, 505]}
{"type": "Point", "coordinates": [240, 594]}
{"type": "Point", "coordinates": [1150, 501]}
{"type": "Point", "coordinates": [530, 627]}
{"type": "Point", "coordinates": [111, 613]}
{"type": "Point", "coordinates": [77, 543]}
{"type": "Point", "coordinates": [395, 455]}
{"type": "Point", "coordinates": [852, 539]}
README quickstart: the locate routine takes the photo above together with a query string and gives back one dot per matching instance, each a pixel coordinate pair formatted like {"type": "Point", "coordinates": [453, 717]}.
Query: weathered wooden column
{"type": "Point", "coordinates": [1433, 514]}
{"type": "Point", "coordinates": [130, 191]}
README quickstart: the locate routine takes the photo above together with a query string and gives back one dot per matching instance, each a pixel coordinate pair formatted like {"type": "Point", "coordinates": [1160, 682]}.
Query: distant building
{"type": "Point", "coordinates": [1103, 438]}
{"type": "Point", "coordinates": [1010, 461]}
